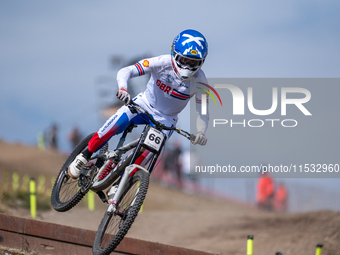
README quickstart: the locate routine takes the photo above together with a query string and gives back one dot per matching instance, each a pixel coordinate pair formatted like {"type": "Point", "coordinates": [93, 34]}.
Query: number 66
{"type": "Point", "coordinates": [157, 139]}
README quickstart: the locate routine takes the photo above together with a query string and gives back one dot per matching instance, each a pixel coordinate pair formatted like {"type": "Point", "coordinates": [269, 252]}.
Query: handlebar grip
{"type": "Point", "coordinates": [132, 102]}
{"type": "Point", "coordinates": [192, 137]}
{"type": "Point", "coordinates": [126, 101]}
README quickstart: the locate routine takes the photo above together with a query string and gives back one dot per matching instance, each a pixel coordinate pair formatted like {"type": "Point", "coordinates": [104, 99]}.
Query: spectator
{"type": "Point", "coordinates": [280, 198]}
{"type": "Point", "coordinates": [52, 137]}
{"type": "Point", "coordinates": [189, 160]}
{"type": "Point", "coordinates": [173, 164]}
{"type": "Point", "coordinates": [75, 137]}
{"type": "Point", "coordinates": [265, 192]}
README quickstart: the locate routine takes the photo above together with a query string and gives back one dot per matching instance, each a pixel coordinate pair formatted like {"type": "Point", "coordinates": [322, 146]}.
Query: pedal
{"type": "Point", "coordinates": [102, 196]}
{"type": "Point", "coordinates": [85, 181]}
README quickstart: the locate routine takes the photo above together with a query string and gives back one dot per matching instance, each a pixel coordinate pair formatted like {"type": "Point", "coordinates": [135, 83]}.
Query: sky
{"type": "Point", "coordinates": [54, 53]}
{"type": "Point", "coordinates": [55, 57]}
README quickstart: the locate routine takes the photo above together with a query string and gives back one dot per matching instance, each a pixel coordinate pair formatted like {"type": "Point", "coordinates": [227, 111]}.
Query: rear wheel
{"type": "Point", "coordinates": [67, 192]}
{"type": "Point", "coordinates": [114, 226]}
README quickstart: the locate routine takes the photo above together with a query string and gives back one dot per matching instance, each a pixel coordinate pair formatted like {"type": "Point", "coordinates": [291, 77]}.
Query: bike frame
{"type": "Point", "coordinates": [132, 166]}
{"type": "Point", "coordinates": [139, 145]}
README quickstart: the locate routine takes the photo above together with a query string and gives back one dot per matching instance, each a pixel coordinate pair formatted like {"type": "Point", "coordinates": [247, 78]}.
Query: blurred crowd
{"type": "Point", "coordinates": [50, 138]}
{"type": "Point", "coordinates": [269, 197]}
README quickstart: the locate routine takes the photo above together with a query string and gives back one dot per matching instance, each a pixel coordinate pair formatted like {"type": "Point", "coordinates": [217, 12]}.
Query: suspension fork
{"type": "Point", "coordinates": [129, 169]}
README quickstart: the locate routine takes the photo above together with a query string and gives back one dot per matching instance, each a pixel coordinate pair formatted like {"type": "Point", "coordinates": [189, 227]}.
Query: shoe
{"type": "Point", "coordinates": [76, 166]}
{"type": "Point", "coordinates": [111, 193]}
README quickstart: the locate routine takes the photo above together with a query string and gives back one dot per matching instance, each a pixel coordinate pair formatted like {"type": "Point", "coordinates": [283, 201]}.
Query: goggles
{"type": "Point", "coordinates": [189, 63]}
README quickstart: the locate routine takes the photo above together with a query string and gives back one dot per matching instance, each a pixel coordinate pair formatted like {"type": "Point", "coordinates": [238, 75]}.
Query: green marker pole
{"type": "Point", "coordinates": [250, 245]}
{"type": "Point", "coordinates": [141, 208]}
{"type": "Point", "coordinates": [15, 183]}
{"type": "Point", "coordinates": [318, 249]}
{"type": "Point", "coordinates": [91, 202]}
{"type": "Point", "coordinates": [41, 141]}
{"type": "Point", "coordinates": [33, 199]}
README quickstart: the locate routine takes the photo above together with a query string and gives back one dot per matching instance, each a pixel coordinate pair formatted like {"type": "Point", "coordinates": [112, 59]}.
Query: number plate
{"type": "Point", "coordinates": [154, 139]}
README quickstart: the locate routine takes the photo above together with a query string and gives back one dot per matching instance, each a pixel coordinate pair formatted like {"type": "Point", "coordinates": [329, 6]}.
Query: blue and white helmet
{"type": "Point", "coordinates": [188, 52]}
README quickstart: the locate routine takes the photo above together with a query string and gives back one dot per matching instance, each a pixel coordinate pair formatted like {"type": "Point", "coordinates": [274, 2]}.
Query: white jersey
{"type": "Point", "coordinates": [165, 92]}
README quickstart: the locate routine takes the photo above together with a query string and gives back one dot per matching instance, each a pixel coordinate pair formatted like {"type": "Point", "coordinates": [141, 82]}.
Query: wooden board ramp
{"type": "Point", "coordinates": [48, 238]}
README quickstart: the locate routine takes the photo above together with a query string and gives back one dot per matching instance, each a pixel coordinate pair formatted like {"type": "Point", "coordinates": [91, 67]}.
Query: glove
{"type": "Point", "coordinates": [200, 139]}
{"type": "Point", "coordinates": [124, 96]}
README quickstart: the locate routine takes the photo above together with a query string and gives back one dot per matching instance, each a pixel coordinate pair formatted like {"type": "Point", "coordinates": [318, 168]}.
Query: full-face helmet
{"type": "Point", "coordinates": [188, 52]}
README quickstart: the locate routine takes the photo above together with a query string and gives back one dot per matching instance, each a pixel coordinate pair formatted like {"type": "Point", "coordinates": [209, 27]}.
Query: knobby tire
{"type": "Point", "coordinates": [66, 192]}
{"type": "Point", "coordinates": [113, 227]}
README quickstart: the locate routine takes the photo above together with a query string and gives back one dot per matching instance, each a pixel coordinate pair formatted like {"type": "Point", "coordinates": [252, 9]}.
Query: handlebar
{"type": "Point", "coordinates": [159, 125]}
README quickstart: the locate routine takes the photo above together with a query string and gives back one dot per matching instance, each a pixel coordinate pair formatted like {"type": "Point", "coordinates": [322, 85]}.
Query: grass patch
{"type": "Point", "coordinates": [7, 252]}
{"type": "Point", "coordinates": [22, 199]}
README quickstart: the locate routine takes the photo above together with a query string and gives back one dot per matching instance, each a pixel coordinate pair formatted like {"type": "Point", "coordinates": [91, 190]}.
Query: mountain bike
{"type": "Point", "coordinates": [128, 168]}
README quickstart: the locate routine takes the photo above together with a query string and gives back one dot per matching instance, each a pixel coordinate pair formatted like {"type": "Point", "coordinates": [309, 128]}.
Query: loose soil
{"type": "Point", "coordinates": [187, 219]}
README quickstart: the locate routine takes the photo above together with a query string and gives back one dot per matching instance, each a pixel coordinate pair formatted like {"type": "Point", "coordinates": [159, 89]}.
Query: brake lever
{"type": "Point", "coordinates": [187, 135]}
{"type": "Point", "coordinates": [126, 100]}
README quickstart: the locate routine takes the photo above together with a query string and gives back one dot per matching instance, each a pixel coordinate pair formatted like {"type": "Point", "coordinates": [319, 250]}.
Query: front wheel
{"type": "Point", "coordinates": [66, 192]}
{"type": "Point", "coordinates": [114, 226]}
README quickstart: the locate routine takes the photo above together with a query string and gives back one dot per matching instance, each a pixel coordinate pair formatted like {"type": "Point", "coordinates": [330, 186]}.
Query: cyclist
{"type": "Point", "coordinates": [167, 93]}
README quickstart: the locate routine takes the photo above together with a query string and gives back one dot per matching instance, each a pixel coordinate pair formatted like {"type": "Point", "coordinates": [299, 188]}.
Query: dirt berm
{"type": "Point", "coordinates": [181, 219]}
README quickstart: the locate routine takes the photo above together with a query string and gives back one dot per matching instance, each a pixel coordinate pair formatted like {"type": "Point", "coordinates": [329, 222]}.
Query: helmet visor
{"type": "Point", "coordinates": [188, 63]}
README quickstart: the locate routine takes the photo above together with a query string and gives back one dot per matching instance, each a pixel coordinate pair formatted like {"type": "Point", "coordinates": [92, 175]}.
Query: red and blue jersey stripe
{"type": "Point", "coordinates": [140, 69]}
{"type": "Point", "coordinates": [179, 95]}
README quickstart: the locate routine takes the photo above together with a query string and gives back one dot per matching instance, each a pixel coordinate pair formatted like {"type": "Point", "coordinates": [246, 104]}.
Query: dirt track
{"type": "Point", "coordinates": [173, 217]}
